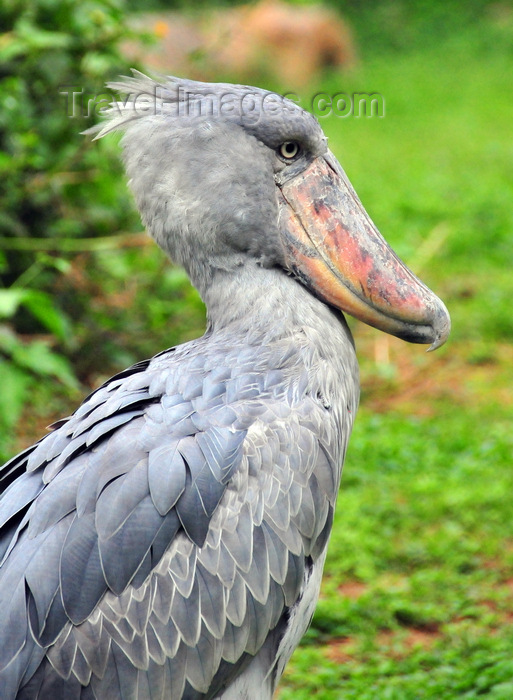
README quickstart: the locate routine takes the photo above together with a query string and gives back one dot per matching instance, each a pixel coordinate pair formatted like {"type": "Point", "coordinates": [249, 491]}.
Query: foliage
{"type": "Point", "coordinates": [53, 183]}
{"type": "Point", "coordinates": [49, 180]}
{"type": "Point", "coordinates": [21, 360]}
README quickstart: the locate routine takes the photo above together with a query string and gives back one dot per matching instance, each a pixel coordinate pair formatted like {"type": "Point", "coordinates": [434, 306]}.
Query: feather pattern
{"type": "Point", "coordinates": [229, 514]}
{"type": "Point", "coordinates": [167, 539]}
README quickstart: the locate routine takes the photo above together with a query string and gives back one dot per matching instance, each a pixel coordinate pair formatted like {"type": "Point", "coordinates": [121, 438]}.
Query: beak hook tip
{"type": "Point", "coordinates": [440, 339]}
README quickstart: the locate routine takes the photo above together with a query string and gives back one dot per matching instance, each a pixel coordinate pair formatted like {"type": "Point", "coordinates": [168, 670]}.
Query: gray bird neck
{"type": "Point", "coordinates": [271, 311]}
{"type": "Point", "coordinates": [264, 305]}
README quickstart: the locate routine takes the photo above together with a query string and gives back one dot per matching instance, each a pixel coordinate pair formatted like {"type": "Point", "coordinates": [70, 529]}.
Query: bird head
{"type": "Point", "coordinates": [227, 174]}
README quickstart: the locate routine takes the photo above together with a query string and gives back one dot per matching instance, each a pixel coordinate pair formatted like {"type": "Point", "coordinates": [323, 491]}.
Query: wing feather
{"type": "Point", "coordinates": [185, 613]}
{"type": "Point", "coordinates": [212, 605]}
{"type": "Point", "coordinates": [276, 553]}
{"type": "Point", "coordinates": [179, 508]}
{"type": "Point", "coordinates": [138, 611]}
{"type": "Point", "coordinates": [167, 636]}
{"type": "Point", "coordinates": [156, 650]}
{"type": "Point", "coordinates": [126, 549]}
{"type": "Point", "coordinates": [93, 641]}
{"type": "Point", "coordinates": [257, 577]}
{"type": "Point", "coordinates": [235, 642]}
{"type": "Point", "coordinates": [42, 574]}
{"type": "Point", "coordinates": [236, 605]}
{"type": "Point", "coordinates": [62, 654]}
{"type": "Point", "coordinates": [203, 660]}
{"type": "Point", "coordinates": [120, 498]}
{"type": "Point", "coordinates": [18, 495]}
{"type": "Point", "coordinates": [56, 501]}
{"type": "Point", "coordinates": [166, 476]}
{"type": "Point", "coordinates": [80, 561]}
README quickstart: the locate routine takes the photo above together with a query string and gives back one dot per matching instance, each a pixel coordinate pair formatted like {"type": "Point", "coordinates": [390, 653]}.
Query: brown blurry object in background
{"type": "Point", "coordinates": [292, 44]}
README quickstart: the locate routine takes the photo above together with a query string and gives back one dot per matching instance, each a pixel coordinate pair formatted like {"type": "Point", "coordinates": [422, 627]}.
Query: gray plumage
{"type": "Point", "coordinates": [167, 540]}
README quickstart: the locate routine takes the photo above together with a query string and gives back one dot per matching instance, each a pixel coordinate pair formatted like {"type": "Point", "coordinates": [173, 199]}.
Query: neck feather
{"type": "Point", "coordinates": [266, 308]}
{"type": "Point", "coordinates": [265, 304]}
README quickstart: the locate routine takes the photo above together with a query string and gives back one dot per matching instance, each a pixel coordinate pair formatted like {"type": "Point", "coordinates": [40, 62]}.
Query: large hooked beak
{"type": "Point", "coordinates": [333, 247]}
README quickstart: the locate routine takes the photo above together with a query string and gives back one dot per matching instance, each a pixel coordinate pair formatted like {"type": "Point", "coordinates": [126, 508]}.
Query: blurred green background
{"type": "Point", "coordinates": [417, 600]}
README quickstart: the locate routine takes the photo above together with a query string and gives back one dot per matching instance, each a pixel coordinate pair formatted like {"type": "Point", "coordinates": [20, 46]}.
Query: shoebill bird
{"type": "Point", "coordinates": [167, 540]}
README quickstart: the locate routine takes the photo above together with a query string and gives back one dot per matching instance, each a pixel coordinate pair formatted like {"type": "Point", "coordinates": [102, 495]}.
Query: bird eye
{"type": "Point", "coordinates": [289, 149]}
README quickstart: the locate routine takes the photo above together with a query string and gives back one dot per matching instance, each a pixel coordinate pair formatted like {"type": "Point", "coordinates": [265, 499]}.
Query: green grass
{"type": "Point", "coordinates": [417, 599]}
{"type": "Point", "coordinates": [424, 526]}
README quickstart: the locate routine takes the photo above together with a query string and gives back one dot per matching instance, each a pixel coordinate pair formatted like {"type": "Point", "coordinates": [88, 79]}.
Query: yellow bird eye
{"type": "Point", "coordinates": [289, 149]}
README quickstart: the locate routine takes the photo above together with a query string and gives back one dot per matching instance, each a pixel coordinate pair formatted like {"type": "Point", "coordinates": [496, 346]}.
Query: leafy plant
{"type": "Point", "coordinates": [54, 184]}
{"type": "Point", "coordinates": [22, 362]}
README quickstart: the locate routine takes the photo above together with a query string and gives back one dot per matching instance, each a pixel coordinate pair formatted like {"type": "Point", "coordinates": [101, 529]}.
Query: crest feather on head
{"type": "Point", "coordinates": [143, 94]}
{"type": "Point", "coordinates": [181, 98]}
